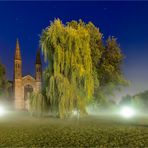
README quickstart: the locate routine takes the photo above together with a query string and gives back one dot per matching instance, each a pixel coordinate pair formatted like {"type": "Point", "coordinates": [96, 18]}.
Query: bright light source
{"type": "Point", "coordinates": [2, 111]}
{"type": "Point", "coordinates": [75, 113]}
{"type": "Point", "coordinates": [127, 112]}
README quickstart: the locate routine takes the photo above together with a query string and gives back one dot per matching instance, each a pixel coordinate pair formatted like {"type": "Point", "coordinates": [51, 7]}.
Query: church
{"type": "Point", "coordinates": [24, 85]}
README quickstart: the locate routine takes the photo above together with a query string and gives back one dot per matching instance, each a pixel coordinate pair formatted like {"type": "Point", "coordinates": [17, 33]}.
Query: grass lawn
{"type": "Point", "coordinates": [21, 130]}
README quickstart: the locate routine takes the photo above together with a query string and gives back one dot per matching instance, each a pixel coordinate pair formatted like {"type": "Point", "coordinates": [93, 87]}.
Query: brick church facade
{"type": "Point", "coordinates": [24, 85]}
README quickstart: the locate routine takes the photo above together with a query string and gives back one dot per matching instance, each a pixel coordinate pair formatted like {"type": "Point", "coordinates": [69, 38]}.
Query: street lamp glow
{"type": "Point", "coordinates": [2, 111]}
{"type": "Point", "coordinates": [127, 112]}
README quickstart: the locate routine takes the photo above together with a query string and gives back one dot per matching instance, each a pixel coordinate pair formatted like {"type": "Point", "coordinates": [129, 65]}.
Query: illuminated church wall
{"type": "Point", "coordinates": [24, 85]}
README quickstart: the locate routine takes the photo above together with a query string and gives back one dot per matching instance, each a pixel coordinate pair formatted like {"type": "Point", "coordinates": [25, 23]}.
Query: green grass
{"type": "Point", "coordinates": [21, 130]}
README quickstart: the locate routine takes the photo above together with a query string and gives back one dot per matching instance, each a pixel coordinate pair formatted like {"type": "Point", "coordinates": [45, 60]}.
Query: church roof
{"type": "Point", "coordinates": [28, 77]}
{"type": "Point", "coordinates": [38, 57]}
{"type": "Point", "coordinates": [17, 51]}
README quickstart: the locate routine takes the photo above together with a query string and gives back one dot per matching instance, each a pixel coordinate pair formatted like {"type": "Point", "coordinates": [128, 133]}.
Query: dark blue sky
{"type": "Point", "coordinates": [128, 21]}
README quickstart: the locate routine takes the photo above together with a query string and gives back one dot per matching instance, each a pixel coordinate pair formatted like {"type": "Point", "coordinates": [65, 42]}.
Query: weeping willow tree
{"type": "Point", "coordinates": [82, 68]}
{"type": "Point", "coordinates": [69, 75]}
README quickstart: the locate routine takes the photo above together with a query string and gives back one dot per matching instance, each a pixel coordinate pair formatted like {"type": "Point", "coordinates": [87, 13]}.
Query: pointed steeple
{"type": "Point", "coordinates": [17, 51]}
{"type": "Point", "coordinates": [38, 69]}
{"type": "Point", "coordinates": [38, 57]}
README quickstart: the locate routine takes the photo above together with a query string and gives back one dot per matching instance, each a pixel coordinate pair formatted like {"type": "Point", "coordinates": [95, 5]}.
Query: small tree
{"type": "Point", "coordinates": [37, 104]}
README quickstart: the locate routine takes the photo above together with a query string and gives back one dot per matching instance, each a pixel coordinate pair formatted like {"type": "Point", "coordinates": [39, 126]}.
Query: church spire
{"type": "Point", "coordinates": [38, 57]}
{"type": "Point", "coordinates": [17, 51]}
{"type": "Point", "coordinates": [38, 67]}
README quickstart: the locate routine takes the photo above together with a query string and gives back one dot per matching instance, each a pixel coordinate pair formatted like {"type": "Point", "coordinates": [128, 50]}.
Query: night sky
{"type": "Point", "coordinates": [128, 21]}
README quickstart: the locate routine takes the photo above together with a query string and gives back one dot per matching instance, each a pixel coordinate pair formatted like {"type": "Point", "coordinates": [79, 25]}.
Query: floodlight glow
{"type": "Point", "coordinates": [2, 111]}
{"type": "Point", "coordinates": [75, 112]}
{"type": "Point", "coordinates": [127, 112]}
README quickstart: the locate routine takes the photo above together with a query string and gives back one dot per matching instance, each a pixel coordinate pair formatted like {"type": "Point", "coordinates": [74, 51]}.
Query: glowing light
{"type": "Point", "coordinates": [2, 111]}
{"type": "Point", "coordinates": [75, 113]}
{"type": "Point", "coordinates": [127, 112]}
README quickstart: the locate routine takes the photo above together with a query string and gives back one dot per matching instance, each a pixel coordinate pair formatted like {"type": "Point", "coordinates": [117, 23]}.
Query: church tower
{"type": "Point", "coordinates": [19, 104]}
{"type": "Point", "coordinates": [24, 85]}
{"type": "Point", "coordinates": [38, 68]}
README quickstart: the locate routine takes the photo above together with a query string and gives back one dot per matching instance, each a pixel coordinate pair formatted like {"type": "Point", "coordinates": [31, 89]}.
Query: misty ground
{"type": "Point", "coordinates": [19, 129]}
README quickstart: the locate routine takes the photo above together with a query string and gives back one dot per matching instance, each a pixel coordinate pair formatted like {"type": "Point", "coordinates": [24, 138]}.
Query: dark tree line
{"type": "Point", "coordinates": [4, 85]}
{"type": "Point", "coordinates": [139, 101]}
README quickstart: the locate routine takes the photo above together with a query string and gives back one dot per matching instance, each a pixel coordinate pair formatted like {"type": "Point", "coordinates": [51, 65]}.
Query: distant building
{"type": "Point", "coordinates": [24, 85]}
{"type": "Point", "coordinates": [3, 82]}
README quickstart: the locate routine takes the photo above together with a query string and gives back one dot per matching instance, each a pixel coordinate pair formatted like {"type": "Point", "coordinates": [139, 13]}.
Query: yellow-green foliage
{"type": "Point", "coordinates": [83, 65]}
{"type": "Point", "coordinates": [70, 84]}
{"type": "Point", "coordinates": [37, 104]}
{"type": "Point", "coordinates": [106, 62]}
